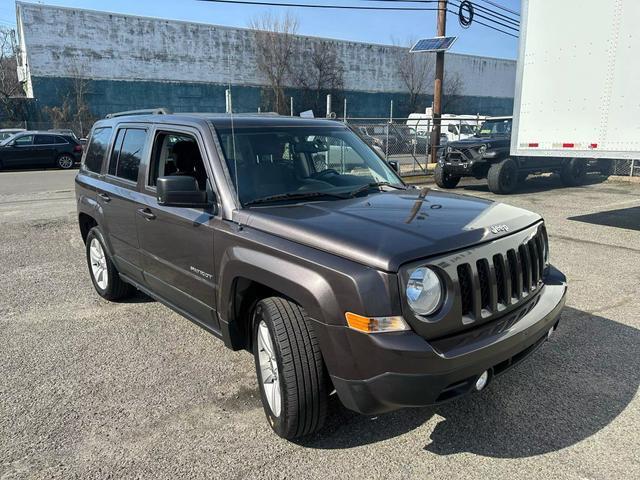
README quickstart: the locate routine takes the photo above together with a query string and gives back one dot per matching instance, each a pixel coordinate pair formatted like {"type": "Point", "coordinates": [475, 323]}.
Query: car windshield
{"type": "Point", "coordinates": [293, 164]}
{"type": "Point", "coordinates": [495, 127]}
{"type": "Point", "coordinates": [4, 136]}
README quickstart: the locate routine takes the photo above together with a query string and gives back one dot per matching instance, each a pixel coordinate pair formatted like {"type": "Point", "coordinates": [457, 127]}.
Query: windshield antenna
{"type": "Point", "coordinates": [233, 132]}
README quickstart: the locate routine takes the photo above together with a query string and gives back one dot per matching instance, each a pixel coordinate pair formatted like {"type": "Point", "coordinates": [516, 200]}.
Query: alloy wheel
{"type": "Point", "coordinates": [65, 161]}
{"type": "Point", "coordinates": [269, 373]}
{"type": "Point", "coordinates": [98, 264]}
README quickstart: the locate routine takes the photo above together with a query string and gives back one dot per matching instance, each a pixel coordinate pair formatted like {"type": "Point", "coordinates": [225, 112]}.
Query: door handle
{"type": "Point", "coordinates": [104, 197]}
{"type": "Point", "coordinates": [146, 213]}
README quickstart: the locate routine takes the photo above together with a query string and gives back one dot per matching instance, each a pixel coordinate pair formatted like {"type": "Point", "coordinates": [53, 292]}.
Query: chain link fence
{"type": "Point", "coordinates": [625, 168]}
{"type": "Point", "coordinates": [407, 141]}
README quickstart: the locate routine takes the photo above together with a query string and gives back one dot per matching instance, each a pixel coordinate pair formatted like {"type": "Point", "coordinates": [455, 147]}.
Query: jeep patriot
{"type": "Point", "coordinates": [292, 239]}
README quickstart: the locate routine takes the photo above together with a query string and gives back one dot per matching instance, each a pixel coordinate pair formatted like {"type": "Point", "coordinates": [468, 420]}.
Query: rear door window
{"type": "Point", "coordinates": [44, 140]}
{"type": "Point", "coordinates": [127, 153]}
{"type": "Point", "coordinates": [97, 149]}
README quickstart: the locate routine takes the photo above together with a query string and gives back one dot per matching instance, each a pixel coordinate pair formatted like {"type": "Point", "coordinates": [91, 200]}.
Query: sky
{"type": "Point", "coordinates": [363, 26]}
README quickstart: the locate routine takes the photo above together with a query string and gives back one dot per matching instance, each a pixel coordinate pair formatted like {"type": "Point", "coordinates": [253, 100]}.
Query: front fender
{"type": "Point", "coordinates": [325, 285]}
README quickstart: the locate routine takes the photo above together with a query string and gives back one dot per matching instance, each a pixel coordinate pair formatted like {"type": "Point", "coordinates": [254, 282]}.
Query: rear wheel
{"type": "Point", "coordinates": [291, 376]}
{"type": "Point", "coordinates": [104, 274]}
{"type": "Point", "coordinates": [444, 179]}
{"type": "Point", "coordinates": [65, 161]}
{"type": "Point", "coordinates": [503, 176]}
{"type": "Point", "coordinates": [574, 172]}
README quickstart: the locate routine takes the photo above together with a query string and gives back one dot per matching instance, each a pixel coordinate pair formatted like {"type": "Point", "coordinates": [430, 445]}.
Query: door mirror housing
{"type": "Point", "coordinates": [180, 191]}
{"type": "Point", "coordinates": [393, 164]}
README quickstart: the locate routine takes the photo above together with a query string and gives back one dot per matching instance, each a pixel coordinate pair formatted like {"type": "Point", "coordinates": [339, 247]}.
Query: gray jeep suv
{"type": "Point", "coordinates": [292, 239]}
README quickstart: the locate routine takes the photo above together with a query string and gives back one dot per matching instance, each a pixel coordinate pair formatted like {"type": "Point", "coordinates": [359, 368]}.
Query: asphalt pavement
{"type": "Point", "coordinates": [92, 389]}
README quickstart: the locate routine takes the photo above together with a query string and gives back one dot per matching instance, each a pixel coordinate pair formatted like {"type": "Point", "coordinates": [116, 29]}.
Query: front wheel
{"type": "Point", "coordinates": [104, 274]}
{"type": "Point", "coordinates": [503, 176]}
{"type": "Point", "coordinates": [291, 376]}
{"type": "Point", "coordinates": [574, 172]}
{"type": "Point", "coordinates": [444, 179]}
{"type": "Point", "coordinates": [65, 161]}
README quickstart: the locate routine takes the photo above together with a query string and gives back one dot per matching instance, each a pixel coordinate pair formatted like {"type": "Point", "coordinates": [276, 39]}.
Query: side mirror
{"type": "Point", "coordinates": [178, 191]}
{"type": "Point", "coordinates": [393, 164]}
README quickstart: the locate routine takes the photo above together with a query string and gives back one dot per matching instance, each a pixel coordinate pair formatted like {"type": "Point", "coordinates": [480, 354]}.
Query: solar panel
{"type": "Point", "coordinates": [436, 44]}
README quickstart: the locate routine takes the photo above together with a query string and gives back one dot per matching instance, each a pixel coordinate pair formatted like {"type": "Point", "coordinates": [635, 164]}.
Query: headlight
{"type": "Point", "coordinates": [482, 149]}
{"type": "Point", "coordinates": [424, 291]}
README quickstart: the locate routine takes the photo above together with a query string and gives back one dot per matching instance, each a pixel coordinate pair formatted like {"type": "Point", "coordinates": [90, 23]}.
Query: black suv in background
{"type": "Point", "coordinates": [487, 155]}
{"type": "Point", "coordinates": [291, 238]}
{"type": "Point", "coordinates": [39, 149]}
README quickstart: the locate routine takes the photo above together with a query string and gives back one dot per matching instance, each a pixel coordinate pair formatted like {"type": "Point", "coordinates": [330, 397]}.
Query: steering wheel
{"type": "Point", "coordinates": [324, 173]}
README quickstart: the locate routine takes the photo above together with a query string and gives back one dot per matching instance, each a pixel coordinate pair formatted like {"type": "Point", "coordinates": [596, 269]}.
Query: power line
{"type": "Point", "coordinates": [359, 7]}
{"type": "Point", "coordinates": [500, 17]}
{"type": "Point", "coordinates": [339, 7]}
{"type": "Point", "coordinates": [514, 27]}
{"type": "Point", "coordinates": [501, 7]}
{"type": "Point", "coordinates": [487, 25]}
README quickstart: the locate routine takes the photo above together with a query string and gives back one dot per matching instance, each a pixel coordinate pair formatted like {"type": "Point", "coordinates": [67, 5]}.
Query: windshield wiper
{"type": "Point", "coordinates": [369, 186]}
{"type": "Point", "coordinates": [295, 196]}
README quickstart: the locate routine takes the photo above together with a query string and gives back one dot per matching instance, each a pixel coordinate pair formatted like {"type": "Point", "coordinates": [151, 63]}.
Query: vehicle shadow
{"type": "Point", "coordinates": [538, 183]}
{"type": "Point", "coordinates": [137, 297]}
{"type": "Point", "coordinates": [627, 218]}
{"type": "Point", "coordinates": [571, 388]}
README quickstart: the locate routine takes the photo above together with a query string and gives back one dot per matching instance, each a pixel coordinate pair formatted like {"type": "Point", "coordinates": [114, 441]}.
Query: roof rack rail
{"type": "Point", "coordinates": [148, 111]}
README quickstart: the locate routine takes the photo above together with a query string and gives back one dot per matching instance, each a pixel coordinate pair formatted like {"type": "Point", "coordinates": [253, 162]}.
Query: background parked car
{"type": "Point", "coordinates": [39, 149]}
{"type": "Point", "coordinates": [9, 132]}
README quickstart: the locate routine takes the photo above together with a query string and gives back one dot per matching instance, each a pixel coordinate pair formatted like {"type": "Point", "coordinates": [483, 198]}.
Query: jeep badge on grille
{"type": "Point", "coordinates": [499, 228]}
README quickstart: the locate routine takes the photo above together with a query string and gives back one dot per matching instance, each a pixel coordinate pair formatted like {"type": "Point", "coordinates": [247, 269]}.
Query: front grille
{"type": "Point", "coordinates": [462, 154]}
{"type": "Point", "coordinates": [489, 285]}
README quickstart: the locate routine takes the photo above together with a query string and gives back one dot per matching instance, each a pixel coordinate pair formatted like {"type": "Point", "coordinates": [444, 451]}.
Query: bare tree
{"type": "Point", "coordinates": [321, 73]}
{"type": "Point", "coordinates": [10, 87]}
{"type": "Point", "coordinates": [79, 91]}
{"type": "Point", "coordinates": [275, 47]}
{"type": "Point", "coordinates": [453, 87]}
{"type": "Point", "coordinates": [59, 116]}
{"type": "Point", "coordinates": [416, 71]}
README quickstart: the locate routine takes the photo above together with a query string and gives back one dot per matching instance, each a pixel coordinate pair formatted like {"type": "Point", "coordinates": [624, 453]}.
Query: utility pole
{"type": "Point", "coordinates": [439, 80]}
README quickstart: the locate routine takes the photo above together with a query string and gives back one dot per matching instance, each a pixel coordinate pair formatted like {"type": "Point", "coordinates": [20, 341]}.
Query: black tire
{"type": "Point", "coordinates": [65, 161]}
{"type": "Point", "coordinates": [444, 179]}
{"type": "Point", "coordinates": [116, 288]}
{"type": "Point", "coordinates": [301, 373]}
{"type": "Point", "coordinates": [503, 176]}
{"type": "Point", "coordinates": [574, 172]}
{"type": "Point", "coordinates": [606, 167]}
{"type": "Point", "coordinates": [522, 177]}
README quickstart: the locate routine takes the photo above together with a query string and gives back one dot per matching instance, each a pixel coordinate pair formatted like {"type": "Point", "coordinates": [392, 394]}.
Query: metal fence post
{"type": "Point", "coordinates": [386, 146]}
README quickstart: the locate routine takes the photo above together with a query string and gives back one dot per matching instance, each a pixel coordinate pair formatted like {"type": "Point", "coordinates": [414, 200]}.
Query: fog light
{"type": "Point", "coordinates": [482, 380]}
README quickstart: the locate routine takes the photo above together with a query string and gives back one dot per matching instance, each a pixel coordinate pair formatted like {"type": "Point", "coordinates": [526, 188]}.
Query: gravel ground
{"type": "Point", "coordinates": [92, 389]}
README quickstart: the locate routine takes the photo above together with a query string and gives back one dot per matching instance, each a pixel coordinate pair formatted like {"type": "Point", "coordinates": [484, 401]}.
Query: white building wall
{"type": "Point", "coordinates": [61, 42]}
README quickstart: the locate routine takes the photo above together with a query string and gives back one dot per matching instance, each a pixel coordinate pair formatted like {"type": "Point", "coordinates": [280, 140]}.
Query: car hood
{"type": "Point", "coordinates": [386, 230]}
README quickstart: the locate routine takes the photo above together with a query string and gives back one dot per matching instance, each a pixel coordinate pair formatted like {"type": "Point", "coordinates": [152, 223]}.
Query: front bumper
{"type": "Point", "coordinates": [384, 372]}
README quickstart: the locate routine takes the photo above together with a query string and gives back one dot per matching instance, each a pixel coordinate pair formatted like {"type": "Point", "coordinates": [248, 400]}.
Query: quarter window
{"type": "Point", "coordinates": [127, 153]}
{"type": "Point", "coordinates": [97, 149]}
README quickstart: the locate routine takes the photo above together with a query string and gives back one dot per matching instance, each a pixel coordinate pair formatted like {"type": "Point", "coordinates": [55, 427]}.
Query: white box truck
{"type": "Point", "coordinates": [576, 99]}
{"type": "Point", "coordinates": [578, 80]}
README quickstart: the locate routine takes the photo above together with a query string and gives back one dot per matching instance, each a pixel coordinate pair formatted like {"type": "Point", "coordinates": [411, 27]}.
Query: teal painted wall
{"type": "Point", "coordinates": [108, 96]}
